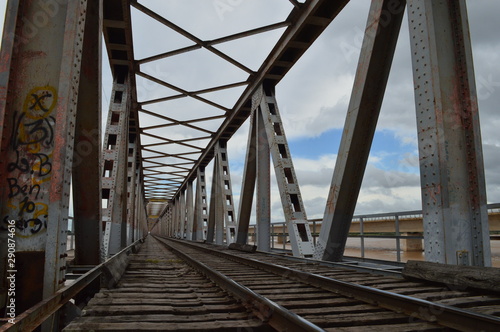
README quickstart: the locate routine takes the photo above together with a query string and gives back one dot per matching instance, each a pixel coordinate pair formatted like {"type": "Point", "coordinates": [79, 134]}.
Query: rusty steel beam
{"type": "Point", "coordinates": [39, 84]}
{"type": "Point", "coordinates": [86, 157]}
{"type": "Point", "coordinates": [449, 136]}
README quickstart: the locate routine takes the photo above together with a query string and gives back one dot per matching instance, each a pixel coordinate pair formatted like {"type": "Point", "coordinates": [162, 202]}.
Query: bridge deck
{"type": "Point", "coordinates": [160, 290]}
{"type": "Point", "coordinates": [161, 293]}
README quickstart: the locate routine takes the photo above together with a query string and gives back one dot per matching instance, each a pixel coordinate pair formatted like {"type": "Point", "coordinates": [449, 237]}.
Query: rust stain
{"type": "Point", "coordinates": [32, 54]}
{"type": "Point", "coordinates": [5, 62]}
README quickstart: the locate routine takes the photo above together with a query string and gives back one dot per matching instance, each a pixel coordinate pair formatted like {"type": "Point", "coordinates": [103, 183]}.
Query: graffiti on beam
{"type": "Point", "coordinates": [30, 162]}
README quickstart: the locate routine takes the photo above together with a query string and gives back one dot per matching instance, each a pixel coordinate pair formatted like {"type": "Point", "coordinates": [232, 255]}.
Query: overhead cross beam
{"type": "Point", "coordinates": [306, 22]}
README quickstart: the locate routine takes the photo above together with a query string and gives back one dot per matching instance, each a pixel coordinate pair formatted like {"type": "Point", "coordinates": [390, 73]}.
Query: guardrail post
{"type": "Point", "coordinates": [283, 227]}
{"type": "Point", "coordinates": [398, 238]}
{"type": "Point", "coordinates": [362, 236]}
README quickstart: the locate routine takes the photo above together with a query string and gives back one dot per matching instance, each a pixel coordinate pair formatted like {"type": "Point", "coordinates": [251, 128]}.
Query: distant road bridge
{"type": "Point", "coordinates": [408, 225]}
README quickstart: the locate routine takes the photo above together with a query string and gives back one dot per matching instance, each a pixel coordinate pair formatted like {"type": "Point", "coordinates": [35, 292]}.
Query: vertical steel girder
{"type": "Point", "coordinates": [176, 216]}
{"type": "Point", "coordinates": [114, 181]}
{"type": "Point", "coordinates": [248, 182]}
{"type": "Point", "coordinates": [221, 220]}
{"type": "Point", "coordinates": [264, 184]}
{"type": "Point", "coordinates": [189, 211]}
{"type": "Point", "coordinates": [182, 215]}
{"type": "Point", "coordinates": [451, 161]}
{"type": "Point", "coordinates": [174, 219]}
{"type": "Point", "coordinates": [168, 220]}
{"type": "Point", "coordinates": [376, 56]}
{"type": "Point", "coordinates": [200, 208]}
{"type": "Point", "coordinates": [132, 188]}
{"type": "Point", "coordinates": [142, 218]}
{"type": "Point", "coordinates": [264, 101]}
{"type": "Point", "coordinates": [86, 172]}
{"type": "Point", "coordinates": [226, 192]}
{"type": "Point", "coordinates": [135, 212]}
{"type": "Point", "coordinates": [257, 169]}
{"type": "Point", "coordinates": [39, 86]}
{"type": "Point", "coordinates": [170, 223]}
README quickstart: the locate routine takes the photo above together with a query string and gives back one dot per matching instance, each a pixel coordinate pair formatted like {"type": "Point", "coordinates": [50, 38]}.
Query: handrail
{"type": "Point", "coordinates": [394, 216]}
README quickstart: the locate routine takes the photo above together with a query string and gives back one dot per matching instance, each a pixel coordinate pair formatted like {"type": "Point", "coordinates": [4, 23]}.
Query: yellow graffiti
{"type": "Point", "coordinates": [40, 102]}
{"type": "Point", "coordinates": [33, 148]}
{"type": "Point", "coordinates": [42, 210]}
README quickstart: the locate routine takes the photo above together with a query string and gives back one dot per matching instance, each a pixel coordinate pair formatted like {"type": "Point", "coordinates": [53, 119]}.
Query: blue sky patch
{"type": "Point", "coordinates": [387, 151]}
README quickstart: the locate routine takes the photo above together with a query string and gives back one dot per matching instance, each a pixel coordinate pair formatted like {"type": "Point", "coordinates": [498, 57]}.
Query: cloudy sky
{"type": "Point", "coordinates": [314, 96]}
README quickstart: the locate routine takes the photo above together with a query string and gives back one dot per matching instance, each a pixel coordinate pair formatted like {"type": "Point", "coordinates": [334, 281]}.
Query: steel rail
{"type": "Point", "coordinates": [268, 311]}
{"type": "Point", "coordinates": [445, 315]}
{"type": "Point", "coordinates": [33, 317]}
{"type": "Point", "coordinates": [343, 265]}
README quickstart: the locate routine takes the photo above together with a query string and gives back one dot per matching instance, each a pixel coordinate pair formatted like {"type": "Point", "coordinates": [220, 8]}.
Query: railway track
{"type": "Point", "coordinates": [334, 298]}
{"type": "Point", "coordinates": [286, 294]}
{"type": "Point", "coordinates": [159, 292]}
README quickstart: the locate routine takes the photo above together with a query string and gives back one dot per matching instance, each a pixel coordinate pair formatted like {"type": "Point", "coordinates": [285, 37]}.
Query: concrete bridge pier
{"type": "Point", "coordinates": [412, 244]}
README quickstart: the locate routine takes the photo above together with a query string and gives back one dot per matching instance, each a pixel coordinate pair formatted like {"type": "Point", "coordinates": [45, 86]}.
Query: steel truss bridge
{"type": "Point", "coordinates": [149, 173]}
